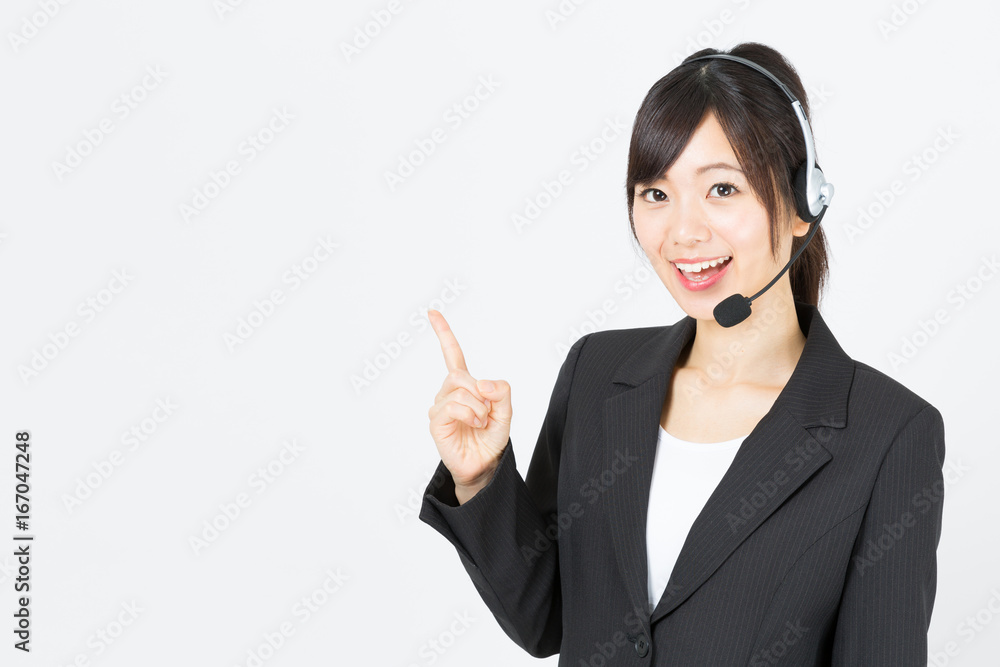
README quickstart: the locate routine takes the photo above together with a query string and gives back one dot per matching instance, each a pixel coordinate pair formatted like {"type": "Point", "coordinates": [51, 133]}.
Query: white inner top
{"type": "Point", "coordinates": [684, 476]}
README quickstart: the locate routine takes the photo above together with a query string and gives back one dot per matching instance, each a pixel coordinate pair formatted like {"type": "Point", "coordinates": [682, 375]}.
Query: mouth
{"type": "Point", "coordinates": [702, 275]}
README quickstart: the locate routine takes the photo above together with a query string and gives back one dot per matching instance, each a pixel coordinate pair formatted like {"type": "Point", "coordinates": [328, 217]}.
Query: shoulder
{"type": "Point", "coordinates": [880, 404]}
{"type": "Point", "coordinates": [871, 391]}
{"type": "Point", "coordinates": [871, 384]}
{"type": "Point", "coordinates": [900, 430]}
{"type": "Point", "coordinates": [615, 337]}
{"type": "Point", "coordinates": [598, 344]}
{"type": "Point", "coordinates": [598, 354]}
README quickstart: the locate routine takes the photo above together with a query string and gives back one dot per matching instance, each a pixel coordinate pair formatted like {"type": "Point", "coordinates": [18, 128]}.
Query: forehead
{"type": "Point", "coordinates": [707, 150]}
{"type": "Point", "coordinates": [708, 143]}
{"type": "Point", "coordinates": [732, 167]}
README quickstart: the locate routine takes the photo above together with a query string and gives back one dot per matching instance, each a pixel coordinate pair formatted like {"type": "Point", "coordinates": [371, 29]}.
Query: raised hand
{"type": "Point", "coordinates": [470, 419]}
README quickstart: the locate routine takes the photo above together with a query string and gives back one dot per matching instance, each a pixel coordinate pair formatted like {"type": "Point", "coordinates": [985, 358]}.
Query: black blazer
{"type": "Point", "coordinates": [818, 547]}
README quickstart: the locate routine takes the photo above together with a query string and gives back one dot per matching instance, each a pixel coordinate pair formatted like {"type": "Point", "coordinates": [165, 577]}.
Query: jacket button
{"type": "Point", "coordinates": [641, 646]}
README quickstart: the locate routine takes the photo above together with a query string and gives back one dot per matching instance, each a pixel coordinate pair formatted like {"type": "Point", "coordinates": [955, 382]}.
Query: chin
{"type": "Point", "coordinates": [706, 313]}
{"type": "Point", "coordinates": [700, 307]}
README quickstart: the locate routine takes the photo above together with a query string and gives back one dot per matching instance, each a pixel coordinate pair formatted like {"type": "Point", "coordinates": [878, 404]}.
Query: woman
{"type": "Point", "coordinates": [704, 494]}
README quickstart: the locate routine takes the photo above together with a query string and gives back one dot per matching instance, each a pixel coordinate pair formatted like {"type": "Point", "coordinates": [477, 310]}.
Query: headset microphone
{"type": "Point", "coordinates": [813, 193]}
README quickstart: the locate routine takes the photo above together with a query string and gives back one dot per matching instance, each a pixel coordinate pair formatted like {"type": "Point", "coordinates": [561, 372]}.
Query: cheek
{"type": "Point", "coordinates": [646, 234]}
{"type": "Point", "coordinates": [748, 235]}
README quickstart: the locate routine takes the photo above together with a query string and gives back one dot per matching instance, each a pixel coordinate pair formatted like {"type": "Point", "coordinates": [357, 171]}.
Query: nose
{"type": "Point", "coordinates": [690, 224]}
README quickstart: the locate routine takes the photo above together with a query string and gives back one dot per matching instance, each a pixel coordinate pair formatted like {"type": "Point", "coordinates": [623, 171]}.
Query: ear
{"type": "Point", "coordinates": [799, 226]}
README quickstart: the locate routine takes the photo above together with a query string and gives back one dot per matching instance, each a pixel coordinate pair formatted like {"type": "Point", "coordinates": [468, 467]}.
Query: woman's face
{"type": "Point", "coordinates": [704, 210]}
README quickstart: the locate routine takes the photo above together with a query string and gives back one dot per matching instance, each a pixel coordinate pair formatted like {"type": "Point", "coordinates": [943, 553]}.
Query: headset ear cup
{"type": "Point", "coordinates": [801, 195]}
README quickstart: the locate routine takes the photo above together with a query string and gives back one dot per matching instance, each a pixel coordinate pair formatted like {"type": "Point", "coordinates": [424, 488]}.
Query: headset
{"type": "Point", "coordinates": [813, 194]}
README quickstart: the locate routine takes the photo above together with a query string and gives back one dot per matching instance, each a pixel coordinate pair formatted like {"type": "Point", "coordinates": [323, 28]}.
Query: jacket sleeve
{"type": "Point", "coordinates": [497, 532]}
{"type": "Point", "coordinates": [889, 589]}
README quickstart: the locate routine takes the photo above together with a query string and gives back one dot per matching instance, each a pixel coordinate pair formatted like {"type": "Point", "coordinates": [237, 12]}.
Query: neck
{"type": "Point", "coordinates": [763, 349]}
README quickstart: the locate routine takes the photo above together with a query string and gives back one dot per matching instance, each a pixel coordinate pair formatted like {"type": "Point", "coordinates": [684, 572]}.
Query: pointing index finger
{"type": "Point", "coordinates": [453, 357]}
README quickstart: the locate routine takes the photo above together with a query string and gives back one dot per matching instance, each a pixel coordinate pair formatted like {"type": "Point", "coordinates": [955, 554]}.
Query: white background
{"type": "Point", "coordinates": [322, 370]}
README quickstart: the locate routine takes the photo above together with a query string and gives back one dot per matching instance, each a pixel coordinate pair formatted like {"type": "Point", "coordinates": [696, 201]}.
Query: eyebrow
{"type": "Point", "coordinates": [717, 165]}
{"type": "Point", "coordinates": [709, 167]}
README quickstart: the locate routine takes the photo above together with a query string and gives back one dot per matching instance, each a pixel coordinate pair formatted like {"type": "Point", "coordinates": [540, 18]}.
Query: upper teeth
{"type": "Point", "coordinates": [695, 268]}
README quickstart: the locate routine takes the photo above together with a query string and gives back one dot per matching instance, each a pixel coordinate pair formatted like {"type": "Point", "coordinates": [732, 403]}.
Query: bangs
{"type": "Point", "coordinates": [676, 108]}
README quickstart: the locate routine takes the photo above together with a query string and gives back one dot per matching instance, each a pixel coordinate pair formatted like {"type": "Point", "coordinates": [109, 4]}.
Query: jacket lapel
{"type": "Point", "coordinates": [814, 396]}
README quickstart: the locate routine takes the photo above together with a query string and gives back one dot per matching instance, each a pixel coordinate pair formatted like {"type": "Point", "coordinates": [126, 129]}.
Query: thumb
{"type": "Point", "coordinates": [498, 393]}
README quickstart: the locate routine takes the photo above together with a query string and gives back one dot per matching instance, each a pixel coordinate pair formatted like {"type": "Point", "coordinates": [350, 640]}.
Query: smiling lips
{"type": "Point", "coordinates": [698, 274]}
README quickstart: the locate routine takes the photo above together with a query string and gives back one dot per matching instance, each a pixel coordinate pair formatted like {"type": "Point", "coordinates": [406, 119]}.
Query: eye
{"type": "Point", "coordinates": [729, 187]}
{"type": "Point", "coordinates": [660, 196]}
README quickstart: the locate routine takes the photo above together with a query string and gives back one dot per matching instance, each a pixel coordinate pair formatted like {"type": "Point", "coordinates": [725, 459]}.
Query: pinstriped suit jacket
{"type": "Point", "coordinates": [818, 547]}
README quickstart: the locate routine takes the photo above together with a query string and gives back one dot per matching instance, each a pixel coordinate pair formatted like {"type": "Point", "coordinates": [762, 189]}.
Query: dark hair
{"type": "Point", "coordinates": [761, 125]}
